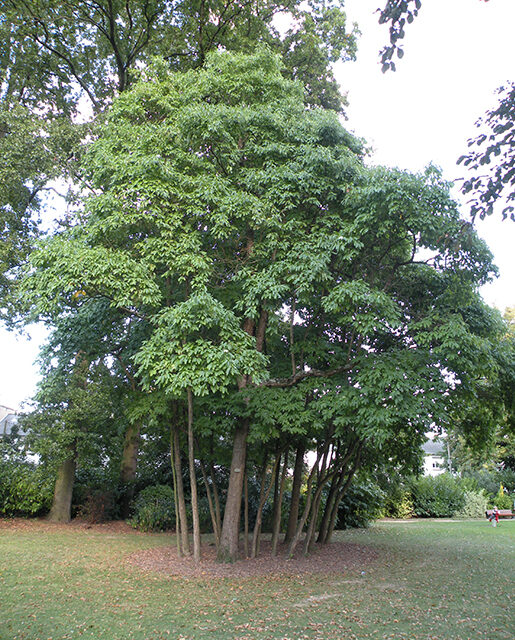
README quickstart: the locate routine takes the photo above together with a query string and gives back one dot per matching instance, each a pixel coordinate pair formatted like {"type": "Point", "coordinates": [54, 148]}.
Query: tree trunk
{"type": "Point", "coordinates": [229, 540]}
{"type": "Point", "coordinates": [331, 497]}
{"type": "Point", "coordinates": [263, 498]}
{"type": "Point", "coordinates": [63, 490]}
{"type": "Point", "coordinates": [278, 506]}
{"type": "Point", "coordinates": [246, 516]}
{"type": "Point", "coordinates": [212, 513]}
{"type": "Point", "coordinates": [193, 481]}
{"type": "Point", "coordinates": [228, 551]}
{"type": "Point", "coordinates": [175, 496]}
{"type": "Point", "coordinates": [311, 499]}
{"type": "Point", "coordinates": [182, 524]}
{"type": "Point", "coordinates": [128, 466]}
{"type": "Point", "coordinates": [295, 495]}
{"type": "Point", "coordinates": [216, 498]}
{"type": "Point", "coordinates": [343, 490]}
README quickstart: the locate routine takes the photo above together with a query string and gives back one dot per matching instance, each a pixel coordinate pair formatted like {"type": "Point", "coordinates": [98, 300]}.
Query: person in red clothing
{"type": "Point", "coordinates": [494, 517]}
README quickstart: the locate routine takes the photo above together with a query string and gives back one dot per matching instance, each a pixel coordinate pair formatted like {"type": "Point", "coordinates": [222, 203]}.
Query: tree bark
{"type": "Point", "coordinates": [278, 505]}
{"type": "Point", "coordinates": [175, 496]}
{"type": "Point", "coordinates": [228, 551]}
{"type": "Point", "coordinates": [63, 490]}
{"type": "Point", "coordinates": [246, 515]}
{"type": "Point", "coordinates": [216, 498]}
{"type": "Point", "coordinates": [182, 525]}
{"type": "Point", "coordinates": [212, 513]}
{"type": "Point", "coordinates": [333, 491]}
{"type": "Point", "coordinates": [193, 481]}
{"type": "Point", "coordinates": [295, 494]}
{"type": "Point", "coordinates": [342, 491]}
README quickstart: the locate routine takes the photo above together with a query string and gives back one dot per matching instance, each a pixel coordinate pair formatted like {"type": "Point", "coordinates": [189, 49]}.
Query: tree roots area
{"type": "Point", "coordinates": [336, 557]}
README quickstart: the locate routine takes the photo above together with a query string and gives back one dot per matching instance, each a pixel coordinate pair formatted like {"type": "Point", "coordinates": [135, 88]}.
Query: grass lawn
{"type": "Point", "coordinates": [431, 580]}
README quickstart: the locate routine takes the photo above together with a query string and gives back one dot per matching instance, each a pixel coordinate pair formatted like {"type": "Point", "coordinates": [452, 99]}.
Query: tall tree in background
{"type": "Point", "coordinates": [61, 62]}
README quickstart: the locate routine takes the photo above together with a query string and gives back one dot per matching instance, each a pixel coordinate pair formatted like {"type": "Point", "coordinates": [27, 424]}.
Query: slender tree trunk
{"type": "Point", "coordinates": [128, 466]}
{"type": "Point", "coordinates": [216, 498]}
{"type": "Point", "coordinates": [311, 499]}
{"type": "Point", "coordinates": [279, 506]}
{"type": "Point", "coordinates": [263, 498]}
{"type": "Point", "coordinates": [175, 495]}
{"type": "Point", "coordinates": [246, 515]}
{"type": "Point", "coordinates": [228, 551]}
{"type": "Point", "coordinates": [331, 497]}
{"type": "Point", "coordinates": [295, 495]}
{"type": "Point", "coordinates": [214, 523]}
{"type": "Point", "coordinates": [183, 518]}
{"type": "Point", "coordinates": [310, 533]}
{"type": "Point", "coordinates": [193, 481]}
{"type": "Point", "coordinates": [343, 490]}
{"type": "Point", "coordinates": [63, 490]}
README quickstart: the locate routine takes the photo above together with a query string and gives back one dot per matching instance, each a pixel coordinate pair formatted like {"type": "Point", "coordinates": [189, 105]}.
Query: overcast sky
{"type": "Point", "coordinates": [457, 52]}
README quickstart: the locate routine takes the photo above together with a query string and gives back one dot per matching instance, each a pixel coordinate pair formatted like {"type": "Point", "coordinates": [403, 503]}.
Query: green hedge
{"type": "Point", "coordinates": [25, 490]}
{"type": "Point", "coordinates": [438, 497]}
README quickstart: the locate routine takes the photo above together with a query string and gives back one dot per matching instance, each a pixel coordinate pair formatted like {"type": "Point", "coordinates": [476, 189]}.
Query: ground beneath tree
{"type": "Point", "coordinates": [334, 558]}
{"type": "Point", "coordinates": [337, 557]}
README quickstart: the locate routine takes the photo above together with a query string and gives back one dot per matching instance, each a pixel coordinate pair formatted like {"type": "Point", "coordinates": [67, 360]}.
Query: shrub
{"type": "Point", "coordinates": [362, 503]}
{"type": "Point", "coordinates": [475, 505]}
{"type": "Point", "coordinates": [401, 507]}
{"type": "Point", "coordinates": [96, 494]}
{"type": "Point", "coordinates": [154, 509]}
{"type": "Point", "coordinates": [25, 490]}
{"type": "Point", "coordinates": [491, 480]}
{"type": "Point", "coordinates": [502, 500]}
{"type": "Point", "coordinates": [438, 497]}
{"type": "Point", "coordinates": [98, 506]}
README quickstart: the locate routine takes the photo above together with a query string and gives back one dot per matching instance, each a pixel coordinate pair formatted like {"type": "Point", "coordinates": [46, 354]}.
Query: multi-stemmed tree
{"type": "Point", "coordinates": [239, 222]}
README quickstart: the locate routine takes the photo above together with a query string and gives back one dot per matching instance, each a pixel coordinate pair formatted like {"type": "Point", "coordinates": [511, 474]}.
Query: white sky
{"type": "Point", "coordinates": [457, 52]}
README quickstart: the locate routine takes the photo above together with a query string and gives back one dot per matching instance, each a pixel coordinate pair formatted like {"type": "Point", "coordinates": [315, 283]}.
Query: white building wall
{"type": "Point", "coordinates": [433, 465]}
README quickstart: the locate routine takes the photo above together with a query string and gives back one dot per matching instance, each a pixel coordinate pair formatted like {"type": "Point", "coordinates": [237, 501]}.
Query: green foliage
{"type": "Point", "coordinates": [475, 505]}
{"type": "Point", "coordinates": [396, 13]}
{"type": "Point", "coordinates": [437, 497]}
{"type": "Point", "coordinates": [154, 509]}
{"type": "Point", "coordinates": [398, 504]}
{"type": "Point", "coordinates": [502, 499]}
{"type": "Point", "coordinates": [232, 220]}
{"type": "Point", "coordinates": [362, 504]}
{"type": "Point", "coordinates": [96, 493]}
{"type": "Point", "coordinates": [491, 158]}
{"type": "Point", "coordinates": [25, 489]}
{"type": "Point", "coordinates": [491, 480]}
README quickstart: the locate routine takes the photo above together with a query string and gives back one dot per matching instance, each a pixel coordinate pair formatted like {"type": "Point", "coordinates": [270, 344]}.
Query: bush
{"type": "Point", "coordinates": [502, 500]}
{"type": "Point", "coordinates": [154, 509]}
{"type": "Point", "coordinates": [402, 507]}
{"type": "Point", "coordinates": [96, 494]}
{"type": "Point", "coordinates": [491, 480]}
{"type": "Point", "coordinates": [475, 505]}
{"type": "Point", "coordinates": [362, 503]}
{"type": "Point", "coordinates": [25, 490]}
{"type": "Point", "coordinates": [438, 497]}
{"type": "Point", "coordinates": [98, 506]}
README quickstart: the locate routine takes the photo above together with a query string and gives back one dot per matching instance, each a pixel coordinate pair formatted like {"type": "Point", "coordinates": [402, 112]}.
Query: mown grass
{"type": "Point", "coordinates": [432, 580]}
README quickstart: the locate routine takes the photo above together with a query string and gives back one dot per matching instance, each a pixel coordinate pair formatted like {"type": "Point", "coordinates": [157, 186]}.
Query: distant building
{"type": "Point", "coordinates": [434, 461]}
{"type": "Point", "coordinates": [8, 419]}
